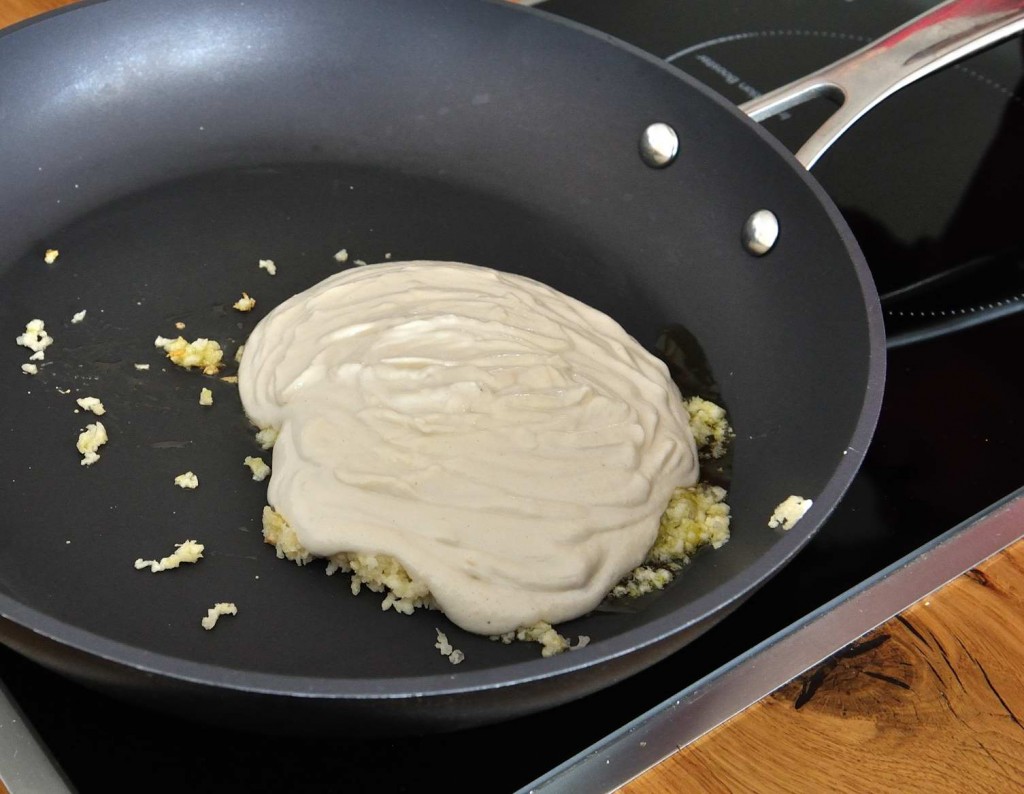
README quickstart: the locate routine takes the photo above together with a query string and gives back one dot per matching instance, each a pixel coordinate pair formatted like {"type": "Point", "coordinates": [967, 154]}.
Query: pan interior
{"type": "Point", "coordinates": [162, 198]}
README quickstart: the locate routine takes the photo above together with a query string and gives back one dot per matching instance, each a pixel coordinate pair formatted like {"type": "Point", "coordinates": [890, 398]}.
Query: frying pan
{"type": "Point", "coordinates": [165, 148]}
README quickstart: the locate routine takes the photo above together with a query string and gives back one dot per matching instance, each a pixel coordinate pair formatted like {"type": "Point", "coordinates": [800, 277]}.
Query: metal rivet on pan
{"type": "Point", "coordinates": [659, 145]}
{"type": "Point", "coordinates": [760, 232]}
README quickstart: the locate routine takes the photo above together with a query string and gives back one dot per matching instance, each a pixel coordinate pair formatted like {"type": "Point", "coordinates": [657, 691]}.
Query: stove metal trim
{"type": "Point", "coordinates": [691, 713]}
{"type": "Point", "coordinates": [25, 764]}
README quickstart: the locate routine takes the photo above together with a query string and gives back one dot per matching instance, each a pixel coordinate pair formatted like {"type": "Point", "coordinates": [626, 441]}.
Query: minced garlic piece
{"type": "Point", "coordinates": [341, 256]}
{"type": "Point", "coordinates": [279, 534]}
{"type": "Point", "coordinates": [360, 263]}
{"type": "Point", "coordinates": [379, 572]}
{"type": "Point", "coordinates": [35, 338]}
{"type": "Point", "coordinates": [245, 303]}
{"type": "Point", "coordinates": [789, 512]}
{"type": "Point", "coordinates": [551, 641]}
{"type": "Point", "coordinates": [187, 480]}
{"type": "Point", "coordinates": [91, 439]}
{"type": "Point", "coordinates": [695, 517]}
{"type": "Point", "coordinates": [239, 353]}
{"type": "Point", "coordinates": [77, 317]}
{"type": "Point", "coordinates": [230, 379]}
{"type": "Point", "coordinates": [180, 325]}
{"type": "Point", "coordinates": [189, 551]}
{"type": "Point", "coordinates": [30, 369]}
{"type": "Point", "coordinates": [266, 437]}
{"type": "Point", "coordinates": [259, 468]}
{"type": "Point", "coordinates": [204, 353]}
{"type": "Point", "coordinates": [454, 654]}
{"type": "Point", "coordinates": [91, 404]}
{"type": "Point", "coordinates": [142, 367]}
{"type": "Point", "coordinates": [51, 255]}
{"type": "Point", "coordinates": [269, 266]}
{"type": "Point", "coordinates": [205, 396]}
{"type": "Point", "coordinates": [218, 609]}
{"type": "Point", "coordinates": [710, 427]}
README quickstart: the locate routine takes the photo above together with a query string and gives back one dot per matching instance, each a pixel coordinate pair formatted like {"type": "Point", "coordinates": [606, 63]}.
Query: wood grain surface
{"type": "Point", "coordinates": [932, 701]}
{"type": "Point", "coordinates": [12, 11]}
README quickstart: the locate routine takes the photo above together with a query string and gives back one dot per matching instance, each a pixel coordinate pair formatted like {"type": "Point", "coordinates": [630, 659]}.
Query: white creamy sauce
{"type": "Point", "coordinates": [511, 446]}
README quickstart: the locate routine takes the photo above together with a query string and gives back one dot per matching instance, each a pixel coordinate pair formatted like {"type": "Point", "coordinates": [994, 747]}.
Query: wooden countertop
{"type": "Point", "coordinates": [932, 700]}
{"type": "Point", "coordinates": [12, 11]}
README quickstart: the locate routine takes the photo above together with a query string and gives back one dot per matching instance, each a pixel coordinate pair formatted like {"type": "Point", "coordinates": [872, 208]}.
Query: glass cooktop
{"type": "Point", "coordinates": [929, 183]}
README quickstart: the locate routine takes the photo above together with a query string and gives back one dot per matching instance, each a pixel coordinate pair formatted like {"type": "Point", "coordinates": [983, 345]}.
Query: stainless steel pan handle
{"type": "Point", "coordinates": [931, 41]}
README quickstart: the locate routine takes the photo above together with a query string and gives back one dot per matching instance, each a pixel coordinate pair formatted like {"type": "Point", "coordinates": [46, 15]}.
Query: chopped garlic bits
{"type": "Point", "coordinates": [77, 317]}
{"type": "Point", "coordinates": [187, 480]}
{"type": "Point", "coordinates": [189, 551]}
{"type": "Point", "coordinates": [203, 353]}
{"type": "Point", "coordinates": [205, 396]}
{"type": "Point", "coordinates": [142, 367]}
{"type": "Point", "coordinates": [35, 339]}
{"type": "Point", "coordinates": [789, 512]}
{"type": "Point", "coordinates": [91, 439]}
{"type": "Point", "coordinates": [245, 303]}
{"type": "Point", "coordinates": [51, 255]}
{"type": "Point", "coordinates": [218, 609]}
{"type": "Point", "coordinates": [267, 437]}
{"type": "Point", "coordinates": [260, 470]}
{"type": "Point", "coordinates": [91, 404]}
{"type": "Point", "coordinates": [269, 266]}
{"type": "Point", "coordinates": [454, 654]}
{"type": "Point", "coordinates": [711, 429]}
{"type": "Point", "coordinates": [341, 256]}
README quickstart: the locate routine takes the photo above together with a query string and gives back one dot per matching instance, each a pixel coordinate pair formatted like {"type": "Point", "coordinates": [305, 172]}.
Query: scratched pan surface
{"type": "Point", "coordinates": [164, 149]}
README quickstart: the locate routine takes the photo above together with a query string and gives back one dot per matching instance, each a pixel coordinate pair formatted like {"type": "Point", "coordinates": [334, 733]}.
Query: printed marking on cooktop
{"type": "Point", "coordinates": [730, 77]}
{"type": "Point", "coordinates": [760, 34]}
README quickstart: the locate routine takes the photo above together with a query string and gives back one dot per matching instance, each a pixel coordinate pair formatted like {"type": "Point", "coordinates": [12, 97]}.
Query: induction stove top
{"type": "Point", "coordinates": [930, 182]}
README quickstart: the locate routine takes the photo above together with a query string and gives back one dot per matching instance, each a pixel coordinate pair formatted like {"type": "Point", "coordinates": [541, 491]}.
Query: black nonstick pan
{"type": "Point", "coordinates": [165, 148]}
